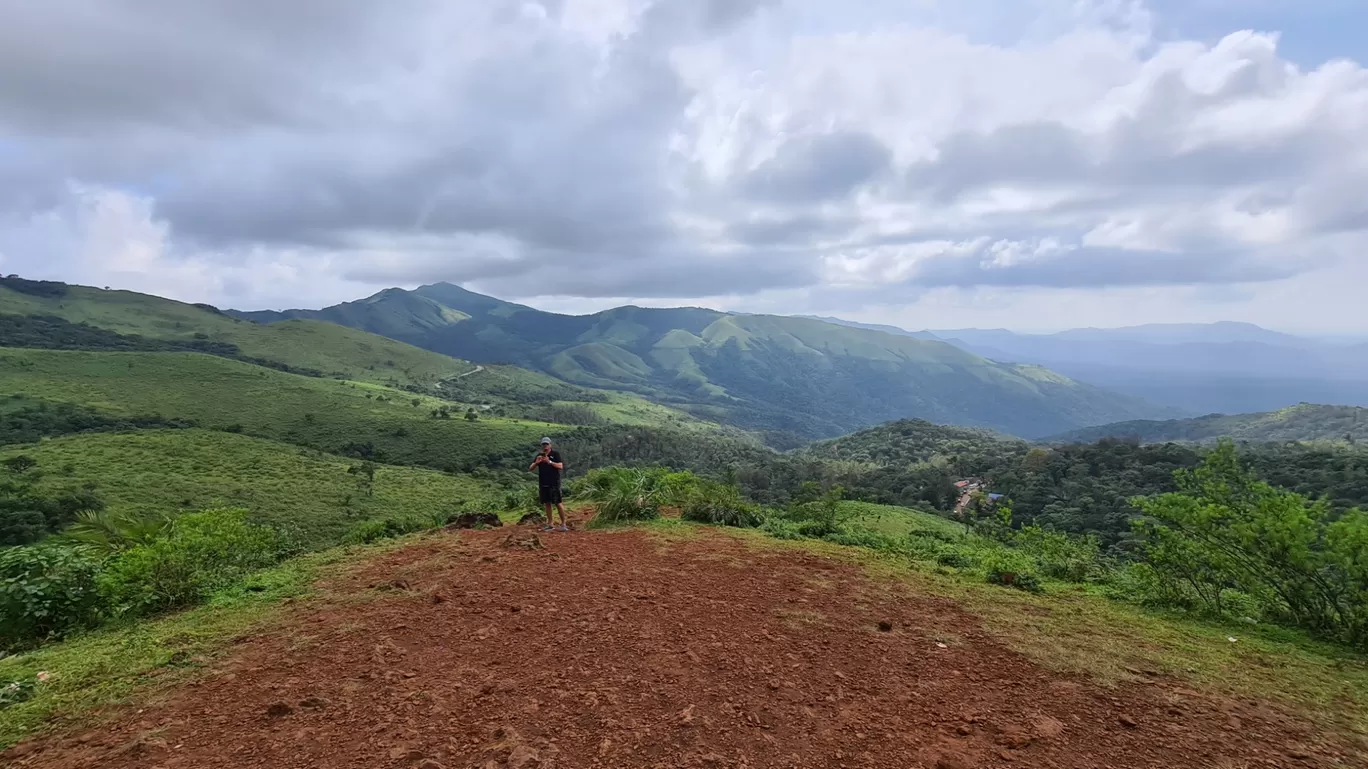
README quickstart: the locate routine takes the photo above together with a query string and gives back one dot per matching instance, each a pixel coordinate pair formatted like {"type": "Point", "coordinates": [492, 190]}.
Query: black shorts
{"type": "Point", "coordinates": [550, 495]}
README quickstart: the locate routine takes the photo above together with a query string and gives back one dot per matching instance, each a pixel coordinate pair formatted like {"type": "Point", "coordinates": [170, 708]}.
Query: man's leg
{"type": "Point", "coordinates": [561, 507]}
{"type": "Point", "coordinates": [547, 513]}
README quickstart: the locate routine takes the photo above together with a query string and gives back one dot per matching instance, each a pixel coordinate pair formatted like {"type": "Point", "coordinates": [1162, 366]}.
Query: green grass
{"type": "Point", "coordinates": [898, 521]}
{"type": "Point", "coordinates": [168, 471]}
{"type": "Point", "coordinates": [108, 666]}
{"type": "Point", "coordinates": [326, 347]}
{"type": "Point", "coordinates": [218, 393]}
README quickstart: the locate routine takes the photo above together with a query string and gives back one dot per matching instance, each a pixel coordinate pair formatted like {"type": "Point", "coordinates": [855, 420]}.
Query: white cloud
{"type": "Point", "coordinates": [747, 154]}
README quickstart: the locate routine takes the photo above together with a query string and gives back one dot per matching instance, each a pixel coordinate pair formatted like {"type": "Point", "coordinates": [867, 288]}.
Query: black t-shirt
{"type": "Point", "coordinates": [548, 475]}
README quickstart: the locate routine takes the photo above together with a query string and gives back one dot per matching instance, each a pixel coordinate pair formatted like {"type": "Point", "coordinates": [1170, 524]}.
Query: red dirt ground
{"type": "Point", "coordinates": [616, 650]}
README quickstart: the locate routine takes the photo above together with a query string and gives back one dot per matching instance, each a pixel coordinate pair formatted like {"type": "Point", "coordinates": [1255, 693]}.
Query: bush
{"type": "Point", "coordinates": [780, 528]}
{"type": "Point", "coordinates": [719, 505]}
{"type": "Point", "coordinates": [15, 692]}
{"type": "Point", "coordinates": [867, 539]}
{"type": "Point", "coordinates": [1011, 568]}
{"type": "Point", "coordinates": [954, 559]}
{"type": "Point", "coordinates": [1228, 534]}
{"type": "Point", "coordinates": [631, 494]}
{"type": "Point", "coordinates": [46, 591]}
{"type": "Point", "coordinates": [821, 517]}
{"type": "Point", "coordinates": [366, 532]}
{"type": "Point", "coordinates": [1061, 556]}
{"type": "Point", "coordinates": [200, 553]}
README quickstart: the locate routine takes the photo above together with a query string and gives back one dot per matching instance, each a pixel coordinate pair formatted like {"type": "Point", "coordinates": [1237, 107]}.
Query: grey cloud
{"type": "Point", "coordinates": [70, 66]}
{"type": "Point", "coordinates": [348, 128]}
{"type": "Point", "coordinates": [815, 168]}
{"type": "Point", "coordinates": [1142, 156]}
{"type": "Point", "coordinates": [1102, 267]}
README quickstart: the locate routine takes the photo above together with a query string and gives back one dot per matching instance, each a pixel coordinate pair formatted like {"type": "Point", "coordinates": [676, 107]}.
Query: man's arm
{"type": "Point", "coordinates": [559, 465]}
{"type": "Point", "coordinates": [535, 462]}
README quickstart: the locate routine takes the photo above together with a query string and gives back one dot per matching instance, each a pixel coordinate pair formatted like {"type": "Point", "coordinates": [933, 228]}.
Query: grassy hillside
{"type": "Point", "coordinates": [1306, 422]}
{"type": "Point", "coordinates": [893, 521]}
{"type": "Point", "coordinates": [294, 489]}
{"type": "Point", "coordinates": [792, 378]}
{"type": "Point", "coordinates": [325, 347]}
{"type": "Point", "coordinates": [61, 316]}
{"type": "Point", "coordinates": [335, 416]}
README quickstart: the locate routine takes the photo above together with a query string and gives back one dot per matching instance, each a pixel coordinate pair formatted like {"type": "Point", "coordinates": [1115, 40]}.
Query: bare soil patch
{"type": "Point", "coordinates": [493, 650]}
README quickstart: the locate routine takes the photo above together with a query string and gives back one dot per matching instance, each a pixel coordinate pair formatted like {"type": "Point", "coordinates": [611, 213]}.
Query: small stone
{"type": "Point", "coordinates": [313, 703]}
{"type": "Point", "coordinates": [1127, 721]}
{"type": "Point", "coordinates": [963, 730]}
{"type": "Point", "coordinates": [428, 763]}
{"type": "Point", "coordinates": [950, 762]}
{"type": "Point", "coordinates": [885, 626]}
{"type": "Point", "coordinates": [278, 710]}
{"type": "Point", "coordinates": [523, 756]}
{"type": "Point", "coordinates": [405, 753]}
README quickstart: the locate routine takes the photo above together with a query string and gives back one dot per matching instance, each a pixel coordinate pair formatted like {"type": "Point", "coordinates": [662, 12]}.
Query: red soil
{"type": "Point", "coordinates": [614, 650]}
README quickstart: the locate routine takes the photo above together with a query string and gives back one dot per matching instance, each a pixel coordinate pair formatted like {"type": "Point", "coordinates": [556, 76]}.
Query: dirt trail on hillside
{"type": "Point", "coordinates": [620, 650]}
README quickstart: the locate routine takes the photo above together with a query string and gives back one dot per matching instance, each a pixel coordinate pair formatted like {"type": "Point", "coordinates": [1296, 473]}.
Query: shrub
{"type": "Point", "coordinates": [823, 516]}
{"type": "Point", "coordinates": [867, 539]}
{"type": "Point", "coordinates": [720, 505]}
{"type": "Point", "coordinates": [781, 528]}
{"type": "Point", "coordinates": [633, 494]}
{"type": "Point", "coordinates": [632, 498]}
{"type": "Point", "coordinates": [1061, 556]}
{"type": "Point", "coordinates": [15, 692]}
{"type": "Point", "coordinates": [200, 553]}
{"type": "Point", "coordinates": [1011, 568]}
{"type": "Point", "coordinates": [954, 558]}
{"type": "Point", "coordinates": [366, 532]}
{"type": "Point", "coordinates": [45, 591]}
{"type": "Point", "coordinates": [1226, 532]}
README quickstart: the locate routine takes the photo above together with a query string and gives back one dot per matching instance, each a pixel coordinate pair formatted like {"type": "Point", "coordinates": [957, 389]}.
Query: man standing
{"type": "Point", "coordinates": [549, 465]}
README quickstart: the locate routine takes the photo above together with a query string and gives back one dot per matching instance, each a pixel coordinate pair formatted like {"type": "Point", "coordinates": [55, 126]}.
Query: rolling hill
{"type": "Point", "coordinates": [795, 379]}
{"type": "Point", "coordinates": [1305, 422]}
{"type": "Point", "coordinates": [356, 419]}
{"type": "Point", "coordinates": [305, 344]}
{"type": "Point", "coordinates": [309, 494]}
{"type": "Point", "coordinates": [911, 441]}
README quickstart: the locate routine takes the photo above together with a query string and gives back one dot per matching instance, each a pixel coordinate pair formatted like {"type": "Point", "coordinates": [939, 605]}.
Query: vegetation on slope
{"type": "Point", "coordinates": [1079, 488]}
{"type": "Point", "coordinates": [316, 498]}
{"type": "Point", "coordinates": [1304, 422]}
{"type": "Point", "coordinates": [357, 420]}
{"type": "Point", "coordinates": [305, 345]}
{"type": "Point", "coordinates": [794, 379]}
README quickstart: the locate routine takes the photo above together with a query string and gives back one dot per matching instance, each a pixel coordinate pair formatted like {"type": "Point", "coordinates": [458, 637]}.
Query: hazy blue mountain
{"type": "Point", "coordinates": [1303, 422]}
{"type": "Point", "coordinates": [1199, 368]}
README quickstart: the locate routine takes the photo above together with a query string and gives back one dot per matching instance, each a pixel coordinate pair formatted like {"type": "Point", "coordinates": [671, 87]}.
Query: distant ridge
{"type": "Point", "coordinates": [794, 379]}
{"type": "Point", "coordinates": [1303, 422]}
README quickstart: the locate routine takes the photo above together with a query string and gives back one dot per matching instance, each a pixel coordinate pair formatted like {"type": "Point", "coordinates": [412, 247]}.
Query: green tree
{"type": "Point", "coordinates": [1226, 530]}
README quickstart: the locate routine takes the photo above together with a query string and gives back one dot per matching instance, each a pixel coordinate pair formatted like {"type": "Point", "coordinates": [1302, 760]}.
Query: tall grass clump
{"type": "Point", "coordinates": [719, 504]}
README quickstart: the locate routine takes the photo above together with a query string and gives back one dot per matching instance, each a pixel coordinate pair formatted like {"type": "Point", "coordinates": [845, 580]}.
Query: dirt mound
{"type": "Point", "coordinates": [702, 653]}
{"type": "Point", "coordinates": [522, 541]}
{"type": "Point", "coordinates": [532, 519]}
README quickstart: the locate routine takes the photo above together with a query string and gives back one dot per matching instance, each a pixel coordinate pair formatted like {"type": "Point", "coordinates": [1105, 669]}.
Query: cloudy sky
{"type": "Point", "coordinates": [929, 163]}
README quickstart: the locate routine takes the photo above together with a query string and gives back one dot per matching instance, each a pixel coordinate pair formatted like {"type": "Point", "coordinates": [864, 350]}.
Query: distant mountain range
{"type": "Point", "coordinates": [1224, 368]}
{"type": "Point", "coordinates": [1304, 422]}
{"type": "Point", "coordinates": [793, 379]}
